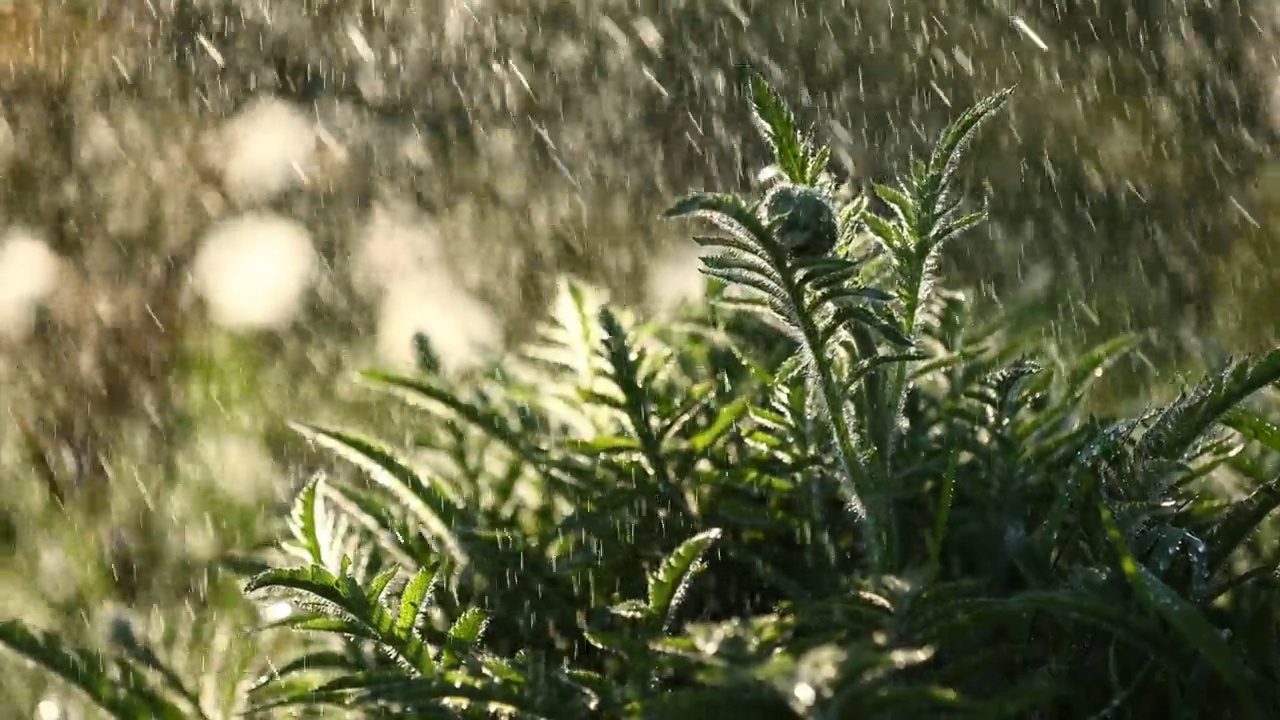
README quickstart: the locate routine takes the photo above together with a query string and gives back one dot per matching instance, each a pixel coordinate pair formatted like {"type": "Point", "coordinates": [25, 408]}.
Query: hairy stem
{"type": "Point", "coordinates": [853, 475]}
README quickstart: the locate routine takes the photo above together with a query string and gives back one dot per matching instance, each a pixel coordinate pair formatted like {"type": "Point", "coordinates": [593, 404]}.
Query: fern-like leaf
{"type": "Point", "coordinates": [1179, 425]}
{"type": "Point", "coordinates": [427, 505]}
{"type": "Point", "coordinates": [1183, 616]}
{"type": "Point", "coordinates": [793, 151]}
{"type": "Point", "coordinates": [1239, 521]}
{"type": "Point", "coordinates": [416, 592]}
{"type": "Point", "coordinates": [309, 523]}
{"type": "Point", "coordinates": [128, 643]}
{"type": "Point", "coordinates": [934, 185]}
{"type": "Point", "coordinates": [113, 684]}
{"type": "Point", "coordinates": [431, 395]}
{"type": "Point", "coordinates": [344, 600]}
{"type": "Point", "coordinates": [668, 585]}
{"type": "Point", "coordinates": [464, 636]}
{"type": "Point", "coordinates": [1253, 426]}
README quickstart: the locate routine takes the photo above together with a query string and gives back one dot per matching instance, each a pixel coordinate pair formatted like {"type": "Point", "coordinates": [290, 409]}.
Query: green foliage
{"type": "Point", "coordinates": [829, 493]}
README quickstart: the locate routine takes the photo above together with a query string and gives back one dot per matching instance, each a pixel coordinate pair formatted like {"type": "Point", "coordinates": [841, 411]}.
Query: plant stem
{"type": "Point", "coordinates": [853, 474]}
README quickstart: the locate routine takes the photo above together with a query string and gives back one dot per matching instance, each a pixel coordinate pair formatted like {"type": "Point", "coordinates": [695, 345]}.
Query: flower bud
{"type": "Point", "coordinates": [807, 219]}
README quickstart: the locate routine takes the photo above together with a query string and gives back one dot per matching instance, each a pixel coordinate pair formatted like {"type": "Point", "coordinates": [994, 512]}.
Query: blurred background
{"type": "Point", "coordinates": [212, 210]}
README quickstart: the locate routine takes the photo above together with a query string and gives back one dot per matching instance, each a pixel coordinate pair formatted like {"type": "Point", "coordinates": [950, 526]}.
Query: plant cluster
{"type": "Point", "coordinates": [830, 492]}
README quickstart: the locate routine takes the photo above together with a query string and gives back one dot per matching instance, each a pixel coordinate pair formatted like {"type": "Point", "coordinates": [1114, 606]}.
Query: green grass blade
{"type": "Point", "coordinates": [1183, 616]}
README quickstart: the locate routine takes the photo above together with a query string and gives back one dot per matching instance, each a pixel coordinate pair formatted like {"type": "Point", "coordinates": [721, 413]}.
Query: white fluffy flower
{"type": "Point", "coordinates": [254, 271]}
{"type": "Point", "coordinates": [460, 328]}
{"type": "Point", "coordinates": [400, 261]}
{"type": "Point", "coordinates": [28, 274]}
{"type": "Point", "coordinates": [269, 147]}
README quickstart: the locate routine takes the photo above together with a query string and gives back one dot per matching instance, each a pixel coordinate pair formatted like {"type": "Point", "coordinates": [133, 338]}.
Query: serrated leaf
{"type": "Point", "coordinates": [464, 635]}
{"type": "Point", "coordinates": [1253, 426]}
{"type": "Point", "coordinates": [902, 205]}
{"type": "Point", "coordinates": [427, 505]}
{"type": "Point", "coordinates": [349, 609]}
{"type": "Point", "coordinates": [629, 609]}
{"type": "Point", "coordinates": [1182, 615]}
{"type": "Point", "coordinates": [109, 683]}
{"type": "Point", "coordinates": [725, 420]}
{"type": "Point", "coordinates": [367, 512]}
{"type": "Point", "coordinates": [777, 125]}
{"type": "Point", "coordinates": [952, 229]}
{"type": "Point", "coordinates": [668, 585]}
{"type": "Point", "coordinates": [1239, 521]}
{"type": "Point", "coordinates": [414, 595]}
{"type": "Point", "coordinates": [817, 165]}
{"type": "Point", "coordinates": [946, 156]}
{"type": "Point", "coordinates": [889, 234]}
{"type": "Point", "coordinates": [306, 521]}
{"type": "Point", "coordinates": [427, 393]}
{"type": "Point", "coordinates": [849, 313]}
{"type": "Point", "coordinates": [314, 580]}
{"type": "Point", "coordinates": [469, 628]}
{"type": "Point", "coordinates": [320, 623]}
{"type": "Point", "coordinates": [379, 584]}
{"type": "Point", "coordinates": [1181, 423]}
{"type": "Point", "coordinates": [127, 642]}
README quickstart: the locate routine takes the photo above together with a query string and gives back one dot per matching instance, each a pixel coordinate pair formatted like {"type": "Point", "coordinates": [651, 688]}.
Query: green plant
{"type": "Point", "coordinates": [629, 519]}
